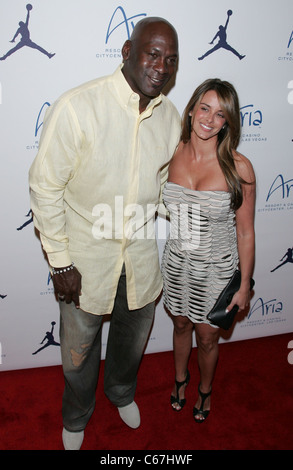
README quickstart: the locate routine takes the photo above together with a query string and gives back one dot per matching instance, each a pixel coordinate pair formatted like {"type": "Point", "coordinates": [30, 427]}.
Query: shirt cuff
{"type": "Point", "coordinates": [59, 259]}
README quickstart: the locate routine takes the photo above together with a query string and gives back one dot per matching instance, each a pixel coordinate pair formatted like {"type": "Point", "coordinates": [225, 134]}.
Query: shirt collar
{"type": "Point", "coordinates": [127, 95]}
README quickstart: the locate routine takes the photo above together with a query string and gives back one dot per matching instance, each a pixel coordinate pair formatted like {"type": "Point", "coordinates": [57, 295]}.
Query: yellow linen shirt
{"type": "Point", "coordinates": [95, 186]}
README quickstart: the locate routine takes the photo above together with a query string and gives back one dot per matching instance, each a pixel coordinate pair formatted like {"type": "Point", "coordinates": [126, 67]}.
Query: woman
{"type": "Point", "coordinates": [210, 195]}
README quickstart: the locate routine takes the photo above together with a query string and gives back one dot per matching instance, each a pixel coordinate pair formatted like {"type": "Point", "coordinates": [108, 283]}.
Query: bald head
{"type": "Point", "coordinates": [150, 57]}
{"type": "Point", "coordinates": [152, 23]}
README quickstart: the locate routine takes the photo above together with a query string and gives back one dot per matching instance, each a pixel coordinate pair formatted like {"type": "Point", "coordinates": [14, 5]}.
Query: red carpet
{"type": "Point", "coordinates": [251, 405]}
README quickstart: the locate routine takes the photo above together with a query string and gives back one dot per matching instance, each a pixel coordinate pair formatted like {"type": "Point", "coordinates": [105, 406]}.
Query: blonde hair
{"type": "Point", "coordinates": [228, 137]}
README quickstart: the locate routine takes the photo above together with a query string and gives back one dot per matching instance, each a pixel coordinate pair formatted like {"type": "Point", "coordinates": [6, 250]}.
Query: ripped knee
{"type": "Point", "coordinates": [79, 357]}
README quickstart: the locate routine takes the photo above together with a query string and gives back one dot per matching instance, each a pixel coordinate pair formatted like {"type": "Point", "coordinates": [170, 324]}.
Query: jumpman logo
{"type": "Point", "coordinates": [25, 40]}
{"type": "Point", "coordinates": [50, 339]}
{"type": "Point", "coordinates": [288, 259]}
{"type": "Point", "coordinates": [29, 221]}
{"type": "Point", "coordinates": [222, 35]}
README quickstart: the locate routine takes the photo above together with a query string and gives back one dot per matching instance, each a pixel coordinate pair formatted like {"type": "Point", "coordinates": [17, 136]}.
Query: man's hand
{"type": "Point", "coordinates": [67, 285]}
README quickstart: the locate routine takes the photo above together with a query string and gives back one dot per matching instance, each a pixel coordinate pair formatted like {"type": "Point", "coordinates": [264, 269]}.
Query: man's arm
{"type": "Point", "coordinates": [49, 176]}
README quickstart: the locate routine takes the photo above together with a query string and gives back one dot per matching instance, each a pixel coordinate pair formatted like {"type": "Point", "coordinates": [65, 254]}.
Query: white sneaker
{"type": "Point", "coordinates": [72, 440]}
{"type": "Point", "coordinates": [130, 415]}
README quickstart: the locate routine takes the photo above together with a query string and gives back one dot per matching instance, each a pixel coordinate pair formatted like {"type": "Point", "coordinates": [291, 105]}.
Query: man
{"type": "Point", "coordinates": [95, 187]}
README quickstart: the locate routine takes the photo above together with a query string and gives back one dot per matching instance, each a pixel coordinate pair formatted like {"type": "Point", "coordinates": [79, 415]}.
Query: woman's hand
{"type": "Point", "coordinates": [241, 298]}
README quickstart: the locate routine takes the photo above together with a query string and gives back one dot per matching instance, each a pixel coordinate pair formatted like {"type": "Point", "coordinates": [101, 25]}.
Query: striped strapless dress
{"type": "Point", "coordinates": [200, 255]}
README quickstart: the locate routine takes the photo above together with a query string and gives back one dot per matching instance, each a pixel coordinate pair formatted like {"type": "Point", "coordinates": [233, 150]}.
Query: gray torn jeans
{"type": "Point", "coordinates": [80, 337]}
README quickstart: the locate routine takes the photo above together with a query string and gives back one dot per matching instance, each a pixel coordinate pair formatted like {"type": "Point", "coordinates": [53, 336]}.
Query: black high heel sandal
{"type": "Point", "coordinates": [176, 399]}
{"type": "Point", "coordinates": [201, 411]}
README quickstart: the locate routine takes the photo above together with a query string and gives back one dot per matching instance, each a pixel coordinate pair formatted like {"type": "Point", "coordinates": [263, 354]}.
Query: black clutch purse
{"type": "Point", "coordinates": [218, 315]}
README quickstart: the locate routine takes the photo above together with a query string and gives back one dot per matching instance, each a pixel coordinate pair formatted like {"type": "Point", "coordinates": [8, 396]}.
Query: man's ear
{"type": "Point", "coordinates": [126, 49]}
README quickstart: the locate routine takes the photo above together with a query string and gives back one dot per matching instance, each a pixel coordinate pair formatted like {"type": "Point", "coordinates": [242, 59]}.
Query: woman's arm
{"type": "Point", "coordinates": [245, 231]}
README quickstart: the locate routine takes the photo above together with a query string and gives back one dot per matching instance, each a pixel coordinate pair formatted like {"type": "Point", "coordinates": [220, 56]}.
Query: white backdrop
{"type": "Point", "coordinates": [86, 37]}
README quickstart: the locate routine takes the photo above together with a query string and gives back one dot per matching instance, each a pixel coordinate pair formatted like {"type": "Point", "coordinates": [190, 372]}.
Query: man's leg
{"type": "Point", "coordinates": [127, 338]}
{"type": "Point", "coordinates": [80, 335]}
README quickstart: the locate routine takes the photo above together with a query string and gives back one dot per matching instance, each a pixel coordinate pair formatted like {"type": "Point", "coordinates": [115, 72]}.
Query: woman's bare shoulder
{"type": "Point", "coordinates": [244, 167]}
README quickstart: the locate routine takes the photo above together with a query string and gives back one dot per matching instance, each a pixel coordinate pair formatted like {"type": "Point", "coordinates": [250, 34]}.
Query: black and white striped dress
{"type": "Point", "coordinates": [201, 254]}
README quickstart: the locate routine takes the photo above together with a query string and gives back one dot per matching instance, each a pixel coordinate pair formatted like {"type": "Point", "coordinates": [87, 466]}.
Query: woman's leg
{"type": "Point", "coordinates": [207, 339]}
{"type": "Point", "coordinates": [182, 343]}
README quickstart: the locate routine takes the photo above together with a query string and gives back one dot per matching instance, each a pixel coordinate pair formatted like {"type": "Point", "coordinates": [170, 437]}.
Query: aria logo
{"type": "Point", "coordinates": [290, 40]}
{"type": "Point", "coordinates": [281, 186]}
{"type": "Point", "coordinates": [251, 120]}
{"type": "Point", "coordinates": [125, 21]}
{"type": "Point", "coordinates": [250, 116]}
{"type": "Point", "coordinates": [25, 40]}
{"type": "Point", "coordinates": [221, 35]}
{"type": "Point", "coordinates": [39, 123]}
{"type": "Point", "coordinates": [265, 311]}
{"type": "Point", "coordinates": [288, 55]}
{"type": "Point", "coordinates": [118, 22]}
{"type": "Point", "coordinates": [278, 196]}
